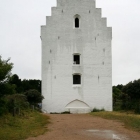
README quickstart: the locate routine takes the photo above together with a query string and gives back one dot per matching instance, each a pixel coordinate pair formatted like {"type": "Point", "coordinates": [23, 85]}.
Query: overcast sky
{"type": "Point", "coordinates": [20, 22]}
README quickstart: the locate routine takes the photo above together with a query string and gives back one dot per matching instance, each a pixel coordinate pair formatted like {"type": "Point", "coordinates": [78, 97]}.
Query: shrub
{"type": "Point", "coordinates": [34, 97]}
{"type": "Point", "coordinates": [3, 108]}
{"type": "Point", "coordinates": [98, 110]}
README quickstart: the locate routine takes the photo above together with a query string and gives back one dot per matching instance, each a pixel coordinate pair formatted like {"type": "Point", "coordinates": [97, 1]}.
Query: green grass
{"type": "Point", "coordinates": [131, 121]}
{"type": "Point", "coordinates": [31, 124]}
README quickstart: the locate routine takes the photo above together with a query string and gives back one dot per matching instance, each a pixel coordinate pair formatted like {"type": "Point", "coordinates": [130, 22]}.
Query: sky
{"type": "Point", "coordinates": [20, 22]}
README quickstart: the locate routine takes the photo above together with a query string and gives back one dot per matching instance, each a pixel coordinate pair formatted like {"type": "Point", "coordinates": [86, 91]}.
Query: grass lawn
{"type": "Point", "coordinates": [21, 127]}
{"type": "Point", "coordinates": [131, 121]}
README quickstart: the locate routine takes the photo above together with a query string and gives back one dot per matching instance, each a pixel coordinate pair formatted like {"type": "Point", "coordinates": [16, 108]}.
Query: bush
{"type": "Point", "coordinates": [3, 108]}
{"type": "Point", "coordinates": [34, 97]}
{"type": "Point", "coordinates": [98, 110]}
{"type": "Point", "coordinates": [137, 108]}
{"type": "Point", "coordinates": [66, 112]}
{"type": "Point", "coordinates": [15, 103]}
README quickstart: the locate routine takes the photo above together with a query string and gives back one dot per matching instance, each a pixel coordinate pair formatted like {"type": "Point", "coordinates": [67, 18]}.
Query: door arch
{"type": "Point", "coordinates": [77, 104]}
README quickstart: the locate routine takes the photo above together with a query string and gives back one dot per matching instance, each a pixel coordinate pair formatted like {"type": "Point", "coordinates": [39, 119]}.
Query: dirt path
{"type": "Point", "coordinates": [85, 127]}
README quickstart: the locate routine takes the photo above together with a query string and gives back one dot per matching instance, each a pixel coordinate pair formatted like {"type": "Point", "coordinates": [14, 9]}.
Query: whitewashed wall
{"type": "Point", "coordinates": [60, 40]}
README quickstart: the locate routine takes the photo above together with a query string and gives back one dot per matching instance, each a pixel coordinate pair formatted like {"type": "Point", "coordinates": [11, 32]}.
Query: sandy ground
{"type": "Point", "coordinates": [85, 127]}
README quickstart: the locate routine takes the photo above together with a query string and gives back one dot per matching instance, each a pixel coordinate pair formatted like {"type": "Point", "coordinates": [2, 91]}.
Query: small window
{"type": "Point", "coordinates": [76, 79]}
{"type": "Point", "coordinates": [76, 59]}
{"type": "Point", "coordinates": [77, 22]}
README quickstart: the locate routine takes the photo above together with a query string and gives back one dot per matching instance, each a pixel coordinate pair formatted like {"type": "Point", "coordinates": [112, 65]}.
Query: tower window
{"type": "Point", "coordinates": [76, 59]}
{"type": "Point", "coordinates": [76, 79]}
{"type": "Point", "coordinates": [76, 22]}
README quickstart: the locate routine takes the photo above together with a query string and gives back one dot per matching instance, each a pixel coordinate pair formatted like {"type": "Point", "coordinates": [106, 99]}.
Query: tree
{"type": "Point", "coordinates": [14, 80]}
{"type": "Point", "coordinates": [5, 87]}
{"type": "Point", "coordinates": [16, 103]}
{"type": "Point", "coordinates": [34, 97]}
{"type": "Point", "coordinates": [5, 70]}
{"type": "Point", "coordinates": [132, 91]}
{"type": "Point", "coordinates": [119, 87]}
{"type": "Point", "coordinates": [5, 73]}
{"type": "Point", "coordinates": [117, 98]}
{"type": "Point", "coordinates": [25, 85]}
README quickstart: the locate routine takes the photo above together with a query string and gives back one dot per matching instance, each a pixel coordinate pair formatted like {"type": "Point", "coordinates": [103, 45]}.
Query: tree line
{"type": "Point", "coordinates": [127, 97]}
{"type": "Point", "coordinates": [17, 94]}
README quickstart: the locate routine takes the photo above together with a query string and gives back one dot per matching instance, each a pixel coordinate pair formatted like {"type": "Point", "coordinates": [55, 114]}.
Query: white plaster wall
{"type": "Point", "coordinates": [60, 40]}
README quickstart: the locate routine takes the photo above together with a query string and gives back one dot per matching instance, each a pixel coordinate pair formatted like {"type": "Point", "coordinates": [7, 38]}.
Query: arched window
{"type": "Point", "coordinates": [76, 21]}
{"type": "Point", "coordinates": [76, 79]}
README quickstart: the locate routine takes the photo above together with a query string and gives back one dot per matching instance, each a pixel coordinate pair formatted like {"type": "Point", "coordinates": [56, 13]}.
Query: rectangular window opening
{"type": "Point", "coordinates": [76, 79]}
{"type": "Point", "coordinates": [76, 59]}
{"type": "Point", "coordinates": [76, 22]}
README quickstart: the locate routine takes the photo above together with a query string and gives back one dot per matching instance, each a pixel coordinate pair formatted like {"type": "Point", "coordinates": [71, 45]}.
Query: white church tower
{"type": "Point", "coordinates": [76, 59]}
